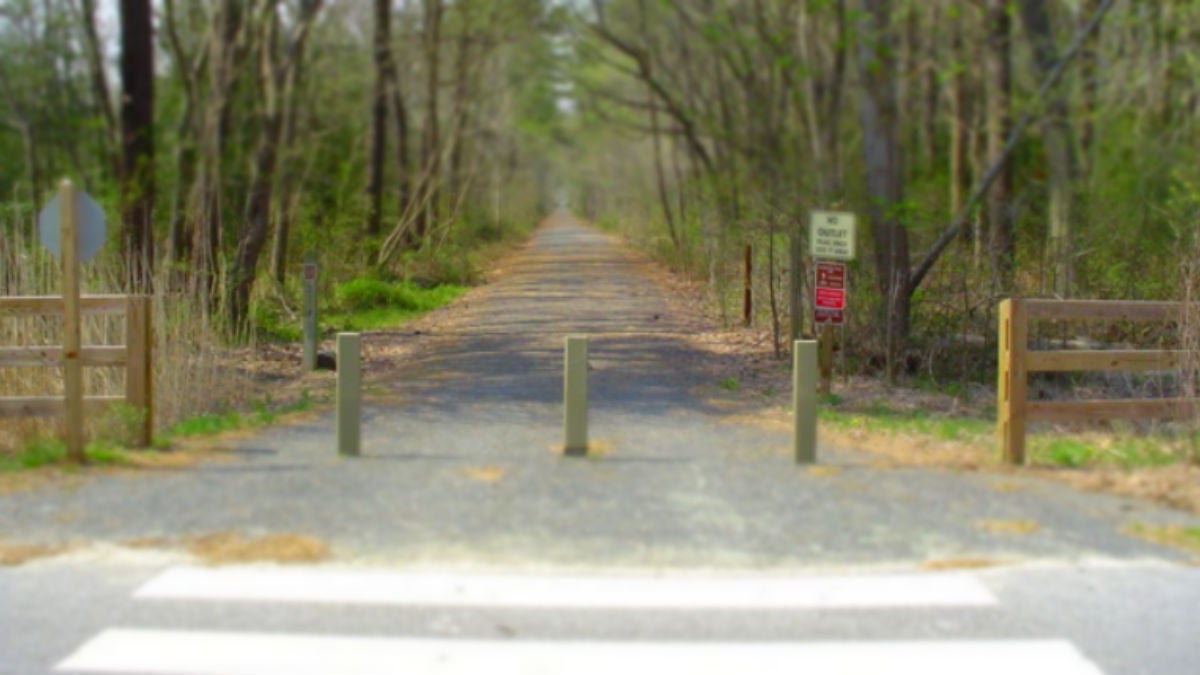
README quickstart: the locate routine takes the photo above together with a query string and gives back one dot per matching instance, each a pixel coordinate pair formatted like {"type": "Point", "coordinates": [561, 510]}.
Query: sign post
{"type": "Point", "coordinates": [72, 332]}
{"type": "Point", "coordinates": [309, 359]}
{"type": "Point", "coordinates": [831, 238]}
{"type": "Point", "coordinates": [71, 227]}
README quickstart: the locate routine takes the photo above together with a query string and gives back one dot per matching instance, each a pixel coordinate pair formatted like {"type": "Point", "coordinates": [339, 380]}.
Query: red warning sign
{"type": "Point", "coordinates": [830, 290]}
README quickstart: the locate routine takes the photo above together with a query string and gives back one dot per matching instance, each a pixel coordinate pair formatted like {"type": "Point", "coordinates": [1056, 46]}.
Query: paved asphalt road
{"type": "Point", "coordinates": [689, 544]}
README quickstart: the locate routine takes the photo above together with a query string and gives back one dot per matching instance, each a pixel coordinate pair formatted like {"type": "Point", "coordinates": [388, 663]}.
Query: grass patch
{"type": "Point", "coordinates": [261, 413]}
{"type": "Point", "coordinates": [1113, 450]}
{"type": "Point", "coordinates": [106, 450]}
{"type": "Point", "coordinates": [1118, 449]}
{"type": "Point", "coordinates": [373, 304]}
{"type": "Point", "coordinates": [729, 384]}
{"type": "Point", "coordinates": [45, 451]}
{"type": "Point", "coordinates": [878, 418]}
{"type": "Point", "coordinates": [1174, 536]}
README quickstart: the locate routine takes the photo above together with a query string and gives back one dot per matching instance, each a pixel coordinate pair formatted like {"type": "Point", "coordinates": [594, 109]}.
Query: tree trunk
{"type": "Point", "coordinates": [462, 92]}
{"type": "Point", "coordinates": [377, 141]}
{"type": "Point", "coordinates": [278, 79]}
{"type": "Point", "coordinates": [100, 89]}
{"type": "Point", "coordinates": [137, 142]}
{"type": "Point", "coordinates": [664, 196]}
{"type": "Point", "coordinates": [1060, 155]}
{"type": "Point", "coordinates": [960, 118]}
{"type": "Point", "coordinates": [885, 186]}
{"type": "Point", "coordinates": [432, 146]}
{"type": "Point", "coordinates": [226, 53]}
{"type": "Point", "coordinates": [1089, 90]}
{"type": "Point", "coordinates": [1001, 247]}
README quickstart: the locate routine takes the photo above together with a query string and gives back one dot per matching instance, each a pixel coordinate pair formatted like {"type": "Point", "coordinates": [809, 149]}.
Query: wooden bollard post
{"type": "Point", "coordinates": [575, 396]}
{"type": "Point", "coordinates": [804, 400]}
{"type": "Point", "coordinates": [349, 395]}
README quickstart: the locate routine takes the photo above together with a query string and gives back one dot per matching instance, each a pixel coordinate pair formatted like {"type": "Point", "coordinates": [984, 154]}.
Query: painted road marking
{"type": "Point", "coordinates": [257, 584]}
{"type": "Point", "coordinates": [217, 653]}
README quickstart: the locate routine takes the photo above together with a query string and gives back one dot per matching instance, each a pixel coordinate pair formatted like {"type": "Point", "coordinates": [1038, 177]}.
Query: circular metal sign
{"type": "Point", "coordinates": [89, 229]}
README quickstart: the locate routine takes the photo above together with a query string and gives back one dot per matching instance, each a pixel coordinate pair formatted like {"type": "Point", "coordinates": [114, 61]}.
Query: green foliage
{"type": "Point", "coordinates": [370, 303]}
{"type": "Point", "coordinates": [262, 412]}
{"type": "Point", "coordinates": [880, 418]}
{"type": "Point", "coordinates": [368, 293]}
{"type": "Point", "coordinates": [45, 451]}
{"type": "Point", "coordinates": [37, 452]}
{"type": "Point", "coordinates": [1121, 450]}
{"type": "Point", "coordinates": [272, 325]}
{"type": "Point", "coordinates": [1065, 452]}
{"type": "Point", "coordinates": [729, 384]}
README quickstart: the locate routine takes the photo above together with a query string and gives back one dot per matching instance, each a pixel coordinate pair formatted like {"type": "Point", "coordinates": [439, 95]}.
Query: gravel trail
{"type": "Point", "coordinates": [461, 467]}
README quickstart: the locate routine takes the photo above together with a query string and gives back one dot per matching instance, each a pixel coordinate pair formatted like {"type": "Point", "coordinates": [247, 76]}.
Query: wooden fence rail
{"type": "Point", "coordinates": [134, 355]}
{"type": "Point", "coordinates": [1014, 410]}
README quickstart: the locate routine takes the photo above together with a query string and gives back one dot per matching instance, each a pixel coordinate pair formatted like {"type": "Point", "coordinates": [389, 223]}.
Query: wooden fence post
{"type": "Point", "coordinates": [139, 365]}
{"type": "Point", "coordinates": [1012, 389]}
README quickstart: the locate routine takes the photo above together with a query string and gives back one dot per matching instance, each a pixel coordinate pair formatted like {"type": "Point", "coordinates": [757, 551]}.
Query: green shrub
{"type": "Point", "coordinates": [365, 293]}
{"type": "Point", "coordinates": [272, 326]}
{"type": "Point", "coordinates": [1068, 452]}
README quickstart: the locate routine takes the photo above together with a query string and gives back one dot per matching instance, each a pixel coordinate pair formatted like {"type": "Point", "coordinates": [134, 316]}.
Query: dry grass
{"type": "Point", "coordinates": [224, 548]}
{"type": "Point", "coordinates": [1173, 536]}
{"type": "Point", "coordinates": [1006, 487]}
{"type": "Point", "coordinates": [12, 555]}
{"type": "Point", "coordinates": [1008, 526]}
{"type": "Point", "coordinates": [949, 564]}
{"type": "Point", "coordinates": [484, 474]}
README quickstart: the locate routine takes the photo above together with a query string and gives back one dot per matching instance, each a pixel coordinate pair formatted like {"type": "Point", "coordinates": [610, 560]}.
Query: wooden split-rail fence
{"type": "Point", "coordinates": [134, 355]}
{"type": "Point", "coordinates": [1013, 407]}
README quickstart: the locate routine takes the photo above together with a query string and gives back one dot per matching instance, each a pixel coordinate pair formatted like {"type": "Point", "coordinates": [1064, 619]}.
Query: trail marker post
{"type": "Point", "coordinates": [575, 396]}
{"type": "Point", "coordinates": [309, 277]}
{"type": "Point", "coordinates": [349, 394]}
{"type": "Point", "coordinates": [804, 401]}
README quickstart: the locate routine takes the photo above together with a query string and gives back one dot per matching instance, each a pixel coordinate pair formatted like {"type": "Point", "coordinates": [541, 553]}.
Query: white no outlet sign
{"type": "Point", "coordinates": [831, 235]}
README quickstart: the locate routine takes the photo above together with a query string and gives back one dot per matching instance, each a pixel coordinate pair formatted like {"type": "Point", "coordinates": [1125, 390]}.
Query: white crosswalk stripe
{"type": "Point", "coordinates": [150, 651]}
{"type": "Point", "coordinates": [199, 653]}
{"type": "Point", "coordinates": [479, 590]}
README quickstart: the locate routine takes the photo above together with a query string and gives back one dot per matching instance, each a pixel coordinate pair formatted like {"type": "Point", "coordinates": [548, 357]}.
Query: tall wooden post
{"type": "Point", "coordinates": [139, 380]}
{"type": "Point", "coordinates": [68, 227]}
{"type": "Point", "coordinates": [747, 279]}
{"type": "Point", "coordinates": [1012, 387]}
{"type": "Point", "coordinates": [309, 357]}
